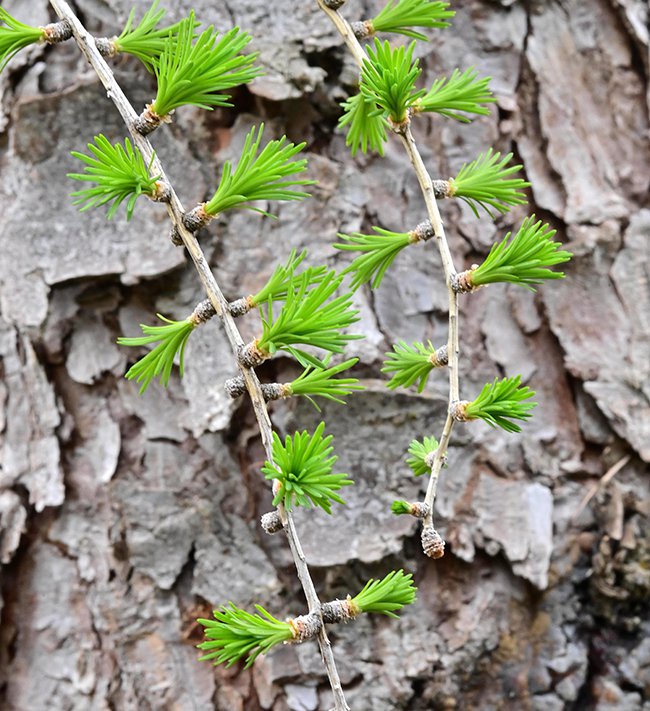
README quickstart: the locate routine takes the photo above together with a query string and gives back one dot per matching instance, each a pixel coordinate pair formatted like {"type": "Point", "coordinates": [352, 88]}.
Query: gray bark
{"type": "Point", "coordinates": [125, 517]}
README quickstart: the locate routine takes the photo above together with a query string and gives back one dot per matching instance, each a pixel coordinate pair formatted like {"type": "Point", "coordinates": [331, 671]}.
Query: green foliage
{"type": "Point", "coordinates": [283, 278]}
{"type": "Point", "coordinates": [461, 92]}
{"type": "Point", "coordinates": [525, 259]}
{"type": "Point", "coordinates": [260, 175]}
{"type": "Point", "coordinates": [484, 182]}
{"type": "Point", "coordinates": [500, 402]}
{"type": "Point", "coordinates": [367, 127]}
{"type": "Point", "coordinates": [419, 451]}
{"type": "Point", "coordinates": [409, 363]}
{"type": "Point", "coordinates": [118, 173]}
{"type": "Point", "coordinates": [400, 507]}
{"type": "Point", "coordinates": [144, 40]}
{"type": "Point", "coordinates": [303, 466]}
{"type": "Point", "coordinates": [171, 340]}
{"type": "Point", "coordinates": [15, 36]}
{"type": "Point", "coordinates": [388, 595]}
{"type": "Point", "coordinates": [319, 382]}
{"type": "Point", "coordinates": [308, 318]}
{"type": "Point", "coordinates": [400, 15]}
{"type": "Point", "coordinates": [377, 254]}
{"type": "Point", "coordinates": [194, 73]}
{"type": "Point", "coordinates": [388, 79]}
{"type": "Point", "coordinates": [235, 633]}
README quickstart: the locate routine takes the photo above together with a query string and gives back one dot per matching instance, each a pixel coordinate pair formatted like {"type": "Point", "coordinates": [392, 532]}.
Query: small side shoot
{"type": "Point", "coordinates": [302, 468]}
{"type": "Point", "coordinates": [234, 634]}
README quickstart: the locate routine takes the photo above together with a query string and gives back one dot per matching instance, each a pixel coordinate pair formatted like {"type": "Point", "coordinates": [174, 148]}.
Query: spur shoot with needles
{"type": "Point", "coordinates": [302, 466]}
{"type": "Point", "coordinates": [171, 340]}
{"type": "Point", "coordinates": [378, 252]}
{"type": "Point", "coordinates": [284, 278]}
{"type": "Point", "coordinates": [524, 259]}
{"type": "Point", "coordinates": [118, 172]}
{"type": "Point", "coordinates": [308, 318]}
{"type": "Point", "coordinates": [234, 634]}
{"type": "Point", "coordinates": [388, 79]}
{"type": "Point", "coordinates": [194, 73]}
{"type": "Point", "coordinates": [14, 36]}
{"type": "Point", "coordinates": [264, 174]}
{"type": "Point", "coordinates": [499, 403]}
{"type": "Point", "coordinates": [399, 16]}
{"type": "Point", "coordinates": [145, 40]}
{"type": "Point", "coordinates": [386, 596]}
{"type": "Point", "coordinates": [462, 92]}
{"type": "Point", "coordinates": [367, 126]}
{"type": "Point", "coordinates": [484, 182]}
{"type": "Point", "coordinates": [319, 382]}
{"type": "Point", "coordinates": [418, 454]}
{"type": "Point", "coordinates": [412, 363]}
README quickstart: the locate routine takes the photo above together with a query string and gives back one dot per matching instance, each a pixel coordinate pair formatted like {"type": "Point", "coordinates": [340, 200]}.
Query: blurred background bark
{"type": "Point", "coordinates": [123, 518]}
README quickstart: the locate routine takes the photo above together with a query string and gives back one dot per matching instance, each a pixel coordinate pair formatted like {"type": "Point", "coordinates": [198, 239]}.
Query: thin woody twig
{"type": "Point", "coordinates": [601, 484]}
{"type": "Point", "coordinates": [430, 191]}
{"type": "Point", "coordinates": [175, 209]}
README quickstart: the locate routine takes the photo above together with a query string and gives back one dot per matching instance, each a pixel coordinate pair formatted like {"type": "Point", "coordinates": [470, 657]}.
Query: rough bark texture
{"type": "Point", "coordinates": [123, 518]}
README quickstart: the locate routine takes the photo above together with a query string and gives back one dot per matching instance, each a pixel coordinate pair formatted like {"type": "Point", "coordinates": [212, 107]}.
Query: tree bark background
{"type": "Point", "coordinates": [123, 518]}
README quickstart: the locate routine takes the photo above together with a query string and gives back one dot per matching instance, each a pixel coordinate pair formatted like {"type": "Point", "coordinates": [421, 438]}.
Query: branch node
{"type": "Point", "coordinates": [271, 521]}
{"type": "Point", "coordinates": [175, 237]}
{"type": "Point", "coordinates": [440, 357]}
{"type": "Point", "coordinates": [334, 4]}
{"type": "Point", "coordinates": [423, 232]}
{"type": "Point", "coordinates": [203, 312]}
{"type": "Point", "coordinates": [305, 627]}
{"type": "Point", "coordinates": [442, 189]}
{"type": "Point", "coordinates": [196, 218]}
{"type": "Point", "coordinates": [462, 283]}
{"type": "Point", "coordinates": [56, 32]}
{"type": "Point", "coordinates": [250, 355]}
{"type": "Point", "coordinates": [162, 192]}
{"type": "Point", "coordinates": [420, 509]}
{"type": "Point", "coordinates": [106, 46]}
{"type": "Point", "coordinates": [433, 544]}
{"type": "Point", "coordinates": [457, 410]}
{"type": "Point", "coordinates": [339, 610]}
{"type": "Point", "coordinates": [236, 387]}
{"type": "Point", "coordinates": [363, 29]}
{"type": "Point", "coordinates": [148, 121]}
{"type": "Point", "coordinates": [242, 306]}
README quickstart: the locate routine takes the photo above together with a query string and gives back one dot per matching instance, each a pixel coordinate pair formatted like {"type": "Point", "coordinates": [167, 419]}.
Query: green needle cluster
{"type": "Point", "coordinates": [399, 16]}
{"type": "Point", "coordinates": [401, 508]}
{"type": "Point", "coordinates": [484, 182]}
{"type": "Point", "coordinates": [367, 128]}
{"type": "Point", "coordinates": [418, 453]}
{"type": "Point", "coordinates": [525, 259]}
{"type": "Point", "coordinates": [194, 73]}
{"type": "Point", "coordinates": [462, 92]}
{"type": "Point", "coordinates": [388, 79]}
{"type": "Point", "coordinates": [303, 468]}
{"type": "Point", "coordinates": [118, 173]}
{"type": "Point", "coordinates": [320, 382]}
{"type": "Point", "coordinates": [15, 36]}
{"type": "Point", "coordinates": [144, 40]}
{"type": "Point", "coordinates": [308, 318]}
{"type": "Point", "coordinates": [171, 340]}
{"type": "Point", "coordinates": [284, 278]}
{"type": "Point", "coordinates": [411, 363]}
{"type": "Point", "coordinates": [235, 633]}
{"type": "Point", "coordinates": [500, 402]}
{"type": "Point", "coordinates": [260, 175]}
{"type": "Point", "coordinates": [386, 596]}
{"type": "Point", "coordinates": [377, 254]}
